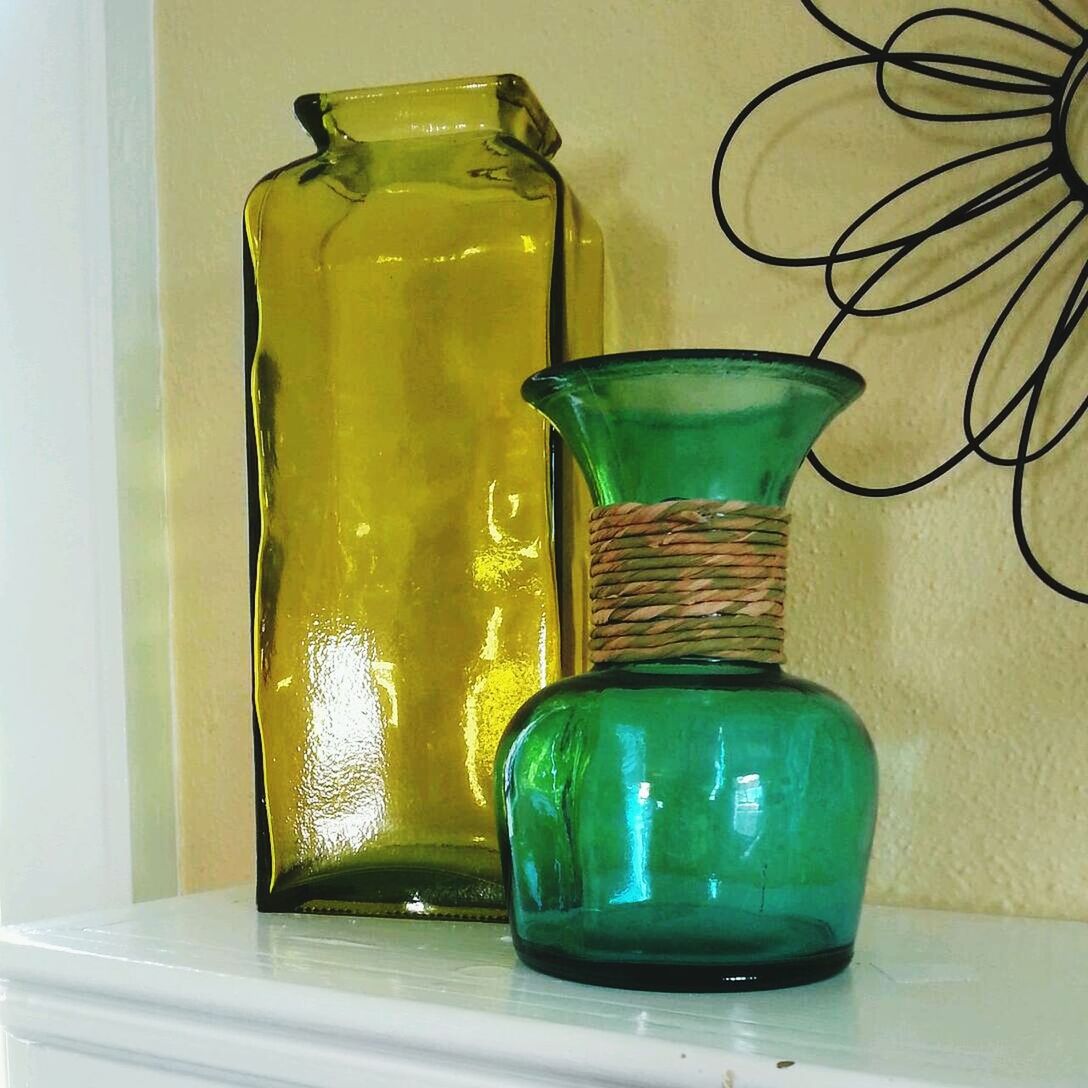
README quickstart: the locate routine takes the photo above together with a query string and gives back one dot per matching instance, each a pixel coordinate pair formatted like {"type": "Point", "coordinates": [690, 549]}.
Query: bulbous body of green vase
{"type": "Point", "coordinates": [688, 824]}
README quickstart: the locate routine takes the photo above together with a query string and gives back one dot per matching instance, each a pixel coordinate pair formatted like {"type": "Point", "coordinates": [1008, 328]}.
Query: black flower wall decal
{"type": "Point", "coordinates": [915, 81]}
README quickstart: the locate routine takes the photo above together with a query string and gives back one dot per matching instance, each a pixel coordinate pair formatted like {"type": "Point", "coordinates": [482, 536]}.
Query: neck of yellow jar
{"type": "Point", "coordinates": [489, 104]}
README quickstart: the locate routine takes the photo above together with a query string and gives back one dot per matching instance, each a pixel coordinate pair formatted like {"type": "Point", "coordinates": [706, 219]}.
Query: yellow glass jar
{"type": "Point", "coordinates": [411, 563]}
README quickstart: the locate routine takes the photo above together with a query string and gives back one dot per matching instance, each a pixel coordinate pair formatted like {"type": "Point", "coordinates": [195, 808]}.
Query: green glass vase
{"type": "Point", "coordinates": [687, 823]}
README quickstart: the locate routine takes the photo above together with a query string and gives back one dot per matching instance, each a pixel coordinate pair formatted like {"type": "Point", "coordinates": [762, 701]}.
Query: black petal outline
{"type": "Point", "coordinates": [956, 69]}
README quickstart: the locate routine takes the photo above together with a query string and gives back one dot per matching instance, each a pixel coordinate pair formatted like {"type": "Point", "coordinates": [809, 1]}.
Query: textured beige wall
{"type": "Point", "coordinates": [970, 674]}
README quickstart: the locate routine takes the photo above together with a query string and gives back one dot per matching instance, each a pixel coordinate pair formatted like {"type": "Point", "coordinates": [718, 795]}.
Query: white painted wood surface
{"type": "Point", "coordinates": [202, 990]}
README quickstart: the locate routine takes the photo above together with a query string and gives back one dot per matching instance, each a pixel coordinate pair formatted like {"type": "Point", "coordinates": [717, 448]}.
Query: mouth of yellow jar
{"type": "Point", "coordinates": [499, 103]}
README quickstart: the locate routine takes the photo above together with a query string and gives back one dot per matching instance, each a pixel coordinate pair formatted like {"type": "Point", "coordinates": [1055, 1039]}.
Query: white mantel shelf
{"type": "Point", "coordinates": [203, 990]}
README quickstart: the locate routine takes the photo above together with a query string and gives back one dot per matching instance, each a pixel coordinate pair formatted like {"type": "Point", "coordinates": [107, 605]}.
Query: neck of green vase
{"type": "Point", "coordinates": [645, 427]}
{"type": "Point", "coordinates": [484, 104]}
{"type": "Point", "coordinates": [694, 666]}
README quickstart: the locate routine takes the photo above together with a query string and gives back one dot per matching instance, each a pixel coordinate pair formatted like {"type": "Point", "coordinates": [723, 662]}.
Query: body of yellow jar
{"type": "Point", "coordinates": [410, 572]}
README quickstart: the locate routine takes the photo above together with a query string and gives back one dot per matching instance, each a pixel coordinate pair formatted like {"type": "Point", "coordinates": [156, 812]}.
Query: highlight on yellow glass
{"type": "Point", "coordinates": [410, 520]}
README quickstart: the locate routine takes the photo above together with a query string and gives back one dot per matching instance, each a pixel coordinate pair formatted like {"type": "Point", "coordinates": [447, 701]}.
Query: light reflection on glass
{"type": "Point", "coordinates": [493, 565]}
{"type": "Point", "coordinates": [383, 677]}
{"type": "Point", "coordinates": [345, 756]}
{"type": "Point", "coordinates": [638, 819]}
{"type": "Point", "coordinates": [531, 879]}
{"type": "Point", "coordinates": [488, 653]}
{"type": "Point", "coordinates": [719, 766]}
{"type": "Point", "coordinates": [510, 666]}
{"type": "Point", "coordinates": [543, 650]}
{"type": "Point", "coordinates": [443, 258]}
{"type": "Point", "coordinates": [748, 805]}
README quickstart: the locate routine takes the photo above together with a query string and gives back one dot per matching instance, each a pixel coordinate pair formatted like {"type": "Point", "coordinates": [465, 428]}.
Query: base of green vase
{"type": "Point", "coordinates": [690, 978]}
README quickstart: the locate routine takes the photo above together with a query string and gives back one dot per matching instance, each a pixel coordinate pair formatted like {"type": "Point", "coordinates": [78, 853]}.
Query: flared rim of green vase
{"type": "Point", "coordinates": [842, 380]}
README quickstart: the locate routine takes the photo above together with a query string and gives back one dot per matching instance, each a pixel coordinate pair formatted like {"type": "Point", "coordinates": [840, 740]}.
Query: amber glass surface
{"type": "Point", "coordinates": [401, 283]}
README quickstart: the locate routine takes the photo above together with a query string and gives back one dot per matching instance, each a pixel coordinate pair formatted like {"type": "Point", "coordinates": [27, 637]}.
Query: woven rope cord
{"type": "Point", "coordinates": [687, 578]}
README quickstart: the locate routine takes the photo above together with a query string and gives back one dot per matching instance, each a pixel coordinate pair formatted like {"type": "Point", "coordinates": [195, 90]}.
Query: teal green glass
{"type": "Point", "coordinates": [689, 824]}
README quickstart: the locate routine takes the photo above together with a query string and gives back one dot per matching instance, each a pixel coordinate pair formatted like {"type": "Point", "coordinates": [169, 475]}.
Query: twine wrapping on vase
{"type": "Point", "coordinates": [687, 578]}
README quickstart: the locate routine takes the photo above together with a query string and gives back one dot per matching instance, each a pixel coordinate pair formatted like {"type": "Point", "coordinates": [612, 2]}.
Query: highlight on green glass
{"type": "Point", "coordinates": [400, 283]}
{"type": "Point", "coordinates": [687, 815]}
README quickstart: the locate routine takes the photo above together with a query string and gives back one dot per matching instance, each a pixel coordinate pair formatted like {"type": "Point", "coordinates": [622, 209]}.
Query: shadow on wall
{"type": "Point", "coordinates": [638, 258]}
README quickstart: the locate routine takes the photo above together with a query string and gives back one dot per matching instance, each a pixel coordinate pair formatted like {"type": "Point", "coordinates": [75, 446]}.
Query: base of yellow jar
{"type": "Point", "coordinates": [453, 885]}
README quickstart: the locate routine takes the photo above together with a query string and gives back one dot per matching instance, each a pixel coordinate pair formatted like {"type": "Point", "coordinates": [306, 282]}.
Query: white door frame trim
{"type": "Point", "coordinates": [86, 761]}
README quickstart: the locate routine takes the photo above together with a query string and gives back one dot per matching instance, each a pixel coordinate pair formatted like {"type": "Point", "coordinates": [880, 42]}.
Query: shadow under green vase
{"type": "Point", "coordinates": [694, 823]}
